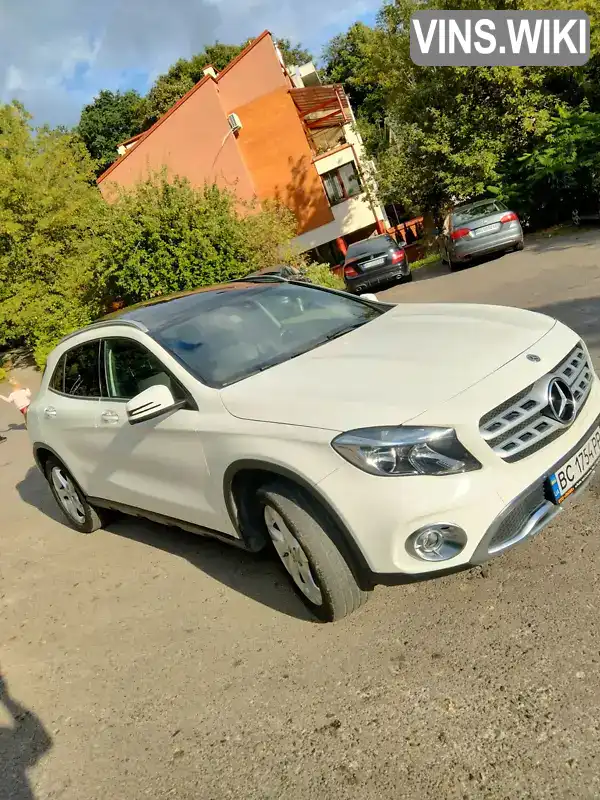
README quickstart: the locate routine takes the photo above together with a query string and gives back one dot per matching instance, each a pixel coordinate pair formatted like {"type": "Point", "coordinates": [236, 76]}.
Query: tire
{"type": "Point", "coordinates": [81, 516]}
{"type": "Point", "coordinates": [520, 246]}
{"type": "Point", "coordinates": [306, 543]}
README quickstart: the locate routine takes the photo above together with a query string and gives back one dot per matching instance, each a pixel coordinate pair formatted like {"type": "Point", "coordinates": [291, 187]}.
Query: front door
{"type": "Point", "coordinates": [157, 465]}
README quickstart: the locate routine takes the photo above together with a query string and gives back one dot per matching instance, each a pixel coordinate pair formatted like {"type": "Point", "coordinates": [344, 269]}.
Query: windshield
{"type": "Point", "coordinates": [480, 210]}
{"type": "Point", "coordinates": [248, 331]}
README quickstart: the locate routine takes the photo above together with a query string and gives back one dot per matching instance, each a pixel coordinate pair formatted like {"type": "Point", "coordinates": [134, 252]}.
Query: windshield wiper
{"type": "Point", "coordinates": [341, 332]}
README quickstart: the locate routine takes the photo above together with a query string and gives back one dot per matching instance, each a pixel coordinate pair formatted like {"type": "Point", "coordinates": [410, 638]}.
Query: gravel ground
{"type": "Point", "coordinates": [144, 662]}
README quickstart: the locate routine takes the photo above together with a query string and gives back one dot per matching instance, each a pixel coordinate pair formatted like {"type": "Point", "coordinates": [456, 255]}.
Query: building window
{"type": "Point", "coordinates": [341, 183]}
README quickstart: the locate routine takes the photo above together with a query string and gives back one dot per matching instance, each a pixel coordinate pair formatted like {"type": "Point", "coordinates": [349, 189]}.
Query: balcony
{"type": "Point", "coordinates": [324, 111]}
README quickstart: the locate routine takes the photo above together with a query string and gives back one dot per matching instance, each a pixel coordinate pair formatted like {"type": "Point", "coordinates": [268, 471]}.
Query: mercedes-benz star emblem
{"type": "Point", "coordinates": [561, 403]}
{"type": "Point", "coordinates": [532, 357]}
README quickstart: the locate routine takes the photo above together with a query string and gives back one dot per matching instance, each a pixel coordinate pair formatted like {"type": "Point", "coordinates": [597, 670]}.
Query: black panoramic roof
{"type": "Point", "coordinates": [154, 314]}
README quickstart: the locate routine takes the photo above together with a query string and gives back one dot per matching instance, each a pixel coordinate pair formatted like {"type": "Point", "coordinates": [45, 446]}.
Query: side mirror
{"type": "Point", "coordinates": [152, 403]}
{"type": "Point", "coordinates": [372, 298]}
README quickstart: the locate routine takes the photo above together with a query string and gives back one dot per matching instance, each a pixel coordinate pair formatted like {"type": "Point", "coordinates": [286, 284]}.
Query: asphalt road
{"type": "Point", "coordinates": [144, 662]}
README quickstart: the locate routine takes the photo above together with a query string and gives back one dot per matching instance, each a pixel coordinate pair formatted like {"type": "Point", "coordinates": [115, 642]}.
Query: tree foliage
{"type": "Point", "coordinates": [66, 255]}
{"type": "Point", "coordinates": [166, 236]}
{"type": "Point", "coordinates": [51, 225]}
{"type": "Point", "coordinates": [455, 133]}
{"type": "Point", "coordinates": [347, 60]}
{"type": "Point", "coordinates": [111, 118]}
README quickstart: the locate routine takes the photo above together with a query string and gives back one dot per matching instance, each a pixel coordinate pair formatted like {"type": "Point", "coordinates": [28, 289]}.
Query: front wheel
{"type": "Point", "coordinates": [71, 500]}
{"type": "Point", "coordinates": [310, 550]}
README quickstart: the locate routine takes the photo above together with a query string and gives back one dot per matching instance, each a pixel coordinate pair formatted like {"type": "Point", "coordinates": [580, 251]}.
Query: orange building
{"type": "Point", "coordinates": [268, 132]}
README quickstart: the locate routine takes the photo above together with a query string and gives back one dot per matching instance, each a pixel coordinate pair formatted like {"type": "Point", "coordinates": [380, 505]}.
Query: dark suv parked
{"type": "Point", "coordinates": [375, 261]}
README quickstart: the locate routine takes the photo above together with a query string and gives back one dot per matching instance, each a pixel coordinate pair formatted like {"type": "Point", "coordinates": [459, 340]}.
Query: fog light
{"type": "Point", "coordinates": [438, 542]}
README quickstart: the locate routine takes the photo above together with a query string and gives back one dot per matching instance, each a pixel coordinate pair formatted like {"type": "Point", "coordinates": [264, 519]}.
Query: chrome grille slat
{"type": "Point", "coordinates": [518, 426]}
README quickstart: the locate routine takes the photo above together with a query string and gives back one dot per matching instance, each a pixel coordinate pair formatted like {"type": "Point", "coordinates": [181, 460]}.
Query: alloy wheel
{"type": "Point", "coordinates": [67, 495]}
{"type": "Point", "coordinates": [292, 555]}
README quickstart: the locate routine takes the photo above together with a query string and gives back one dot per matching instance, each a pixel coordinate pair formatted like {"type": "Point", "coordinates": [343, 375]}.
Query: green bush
{"type": "Point", "coordinates": [52, 222]}
{"type": "Point", "coordinates": [3, 374]}
{"type": "Point", "coordinates": [323, 276]}
{"type": "Point", "coordinates": [165, 236]}
{"type": "Point", "coordinates": [66, 255]}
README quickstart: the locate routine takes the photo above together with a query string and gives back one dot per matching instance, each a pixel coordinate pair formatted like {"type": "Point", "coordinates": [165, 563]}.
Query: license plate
{"type": "Point", "coordinates": [572, 473]}
{"type": "Point", "coordinates": [486, 229]}
{"type": "Point", "coordinates": [376, 262]}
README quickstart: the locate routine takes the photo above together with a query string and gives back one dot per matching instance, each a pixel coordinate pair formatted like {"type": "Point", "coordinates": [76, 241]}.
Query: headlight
{"type": "Point", "coordinates": [405, 450]}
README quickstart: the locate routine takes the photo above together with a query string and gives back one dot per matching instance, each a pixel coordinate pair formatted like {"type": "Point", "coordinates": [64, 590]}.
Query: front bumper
{"type": "Point", "coordinates": [497, 506]}
{"type": "Point", "coordinates": [528, 513]}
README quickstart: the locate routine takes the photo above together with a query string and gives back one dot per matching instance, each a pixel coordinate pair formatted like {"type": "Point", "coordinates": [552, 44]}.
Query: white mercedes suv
{"type": "Point", "coordinates": [365, 441]}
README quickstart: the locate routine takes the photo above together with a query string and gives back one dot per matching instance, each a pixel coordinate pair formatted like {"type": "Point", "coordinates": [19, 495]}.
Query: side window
{"type": "Point", "coordinates": [82, 370]}
{"type": "Point", "coordinates": [130, 369]}
{"type": "Point", "coordinates": [57, 381]}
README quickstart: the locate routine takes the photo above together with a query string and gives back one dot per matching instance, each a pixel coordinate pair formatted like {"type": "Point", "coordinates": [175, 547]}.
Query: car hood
{"type": "Point", "coordinates": [390, 370]}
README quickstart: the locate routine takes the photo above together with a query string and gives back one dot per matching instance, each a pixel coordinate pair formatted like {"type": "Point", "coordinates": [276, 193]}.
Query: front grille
{"type": "Point", "coordinates": [521, 425]}
{"type": "Point", "coordinates": [518, 517]}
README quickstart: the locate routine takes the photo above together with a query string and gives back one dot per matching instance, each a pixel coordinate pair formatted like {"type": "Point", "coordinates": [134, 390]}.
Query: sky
{"type": "Point", "coordinates": [56, 55]}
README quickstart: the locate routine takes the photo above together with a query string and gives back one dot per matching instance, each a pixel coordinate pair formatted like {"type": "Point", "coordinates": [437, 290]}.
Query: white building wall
{"type": "Point", "coordinates": [352, 214]}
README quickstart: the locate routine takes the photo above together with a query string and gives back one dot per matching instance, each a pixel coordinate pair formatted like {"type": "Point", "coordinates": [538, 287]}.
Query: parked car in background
{"type": "Point", "coordinates": [478, 229]}
{"type": "Point", "coordinates": [373, 262]}
{"type": "Point", "coordinates": [272, 413]}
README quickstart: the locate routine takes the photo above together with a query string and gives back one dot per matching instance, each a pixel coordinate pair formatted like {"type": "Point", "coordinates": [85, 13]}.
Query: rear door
{"type": "Point", "coordinates": [70, 414]}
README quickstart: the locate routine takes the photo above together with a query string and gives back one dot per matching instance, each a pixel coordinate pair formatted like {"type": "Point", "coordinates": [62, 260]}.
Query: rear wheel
{"type": "Point", "coordinates": [520, 245]}
{"type": "Point", "coordinates": [310, 551]}
{"type": "Point", "coordinates": [71, 500]}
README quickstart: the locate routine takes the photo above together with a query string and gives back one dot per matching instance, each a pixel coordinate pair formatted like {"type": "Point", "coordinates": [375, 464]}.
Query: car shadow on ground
{"type": "Point", "coordinates": [257, 576]}
{"type": "Point", "coordinates": [23, 742]}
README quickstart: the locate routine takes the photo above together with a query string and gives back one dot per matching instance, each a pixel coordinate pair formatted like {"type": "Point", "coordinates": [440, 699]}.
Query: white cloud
{"type": "Point", "coordinates": [56, 54]}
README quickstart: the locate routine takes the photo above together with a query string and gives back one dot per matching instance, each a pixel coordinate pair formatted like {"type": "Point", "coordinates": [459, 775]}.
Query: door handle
{"type": "Point", "coordinates": [110, 417]}
{"type": "Point", "coordinates": [49, 411]}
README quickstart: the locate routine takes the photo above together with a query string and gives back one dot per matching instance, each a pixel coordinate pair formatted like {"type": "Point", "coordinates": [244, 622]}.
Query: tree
{"type": "Point", "coordinates": [455, 131]}
{"type": "Point", "coordinates": [293, 55]}
{"type": "Point", "coordinates": [110, 119]}
{"type": "Point", "coordinates": [166, 237]}
{"type": "Point", "coordinates": [348, 61]}
{"type": "Point", "coordinates": [561, 172]}
{"type": "Point", "coordinates": [52, 224]}
{"type": "Point", "coordinates": [185, 73]}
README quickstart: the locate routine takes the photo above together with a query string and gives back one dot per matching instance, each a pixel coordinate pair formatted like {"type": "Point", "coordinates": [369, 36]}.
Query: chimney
{"type": "Point", "coordinates": [210, 70]}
